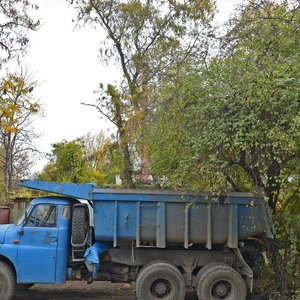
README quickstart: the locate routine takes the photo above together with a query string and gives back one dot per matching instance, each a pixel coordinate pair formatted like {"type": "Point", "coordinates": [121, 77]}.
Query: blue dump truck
{"type": "Point", "coordinates": [166, 241]}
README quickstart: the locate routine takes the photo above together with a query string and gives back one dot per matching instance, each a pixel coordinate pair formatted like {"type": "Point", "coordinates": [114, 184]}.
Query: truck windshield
{"type": "Point", "coordinates": [21, 220]}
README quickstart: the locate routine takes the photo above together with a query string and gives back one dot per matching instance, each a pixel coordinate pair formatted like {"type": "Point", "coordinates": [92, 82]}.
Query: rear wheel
{"type": "Point", "coordinates": [7, 282]}
{"type": "Point", "coordinates": [220, 281]}
{"type": "Point", "coordinates": [160, 280]}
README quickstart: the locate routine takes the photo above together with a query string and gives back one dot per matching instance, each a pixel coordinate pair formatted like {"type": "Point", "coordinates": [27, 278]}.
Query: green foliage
{"type": "Point", "coordinates": [281, 276]}
{"type": "Point", "coordinates": [235, 125]}
{"type": "Point", "coordinates": [87, 159]}
{"type": "Point", "coordinates": [103, 155]}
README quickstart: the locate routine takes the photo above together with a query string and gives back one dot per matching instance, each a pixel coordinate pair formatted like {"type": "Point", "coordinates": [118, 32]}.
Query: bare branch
{"type": "Point", "coordinates": [101, 111]}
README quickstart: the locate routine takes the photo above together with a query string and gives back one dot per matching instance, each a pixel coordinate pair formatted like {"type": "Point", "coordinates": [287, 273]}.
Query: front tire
{"type": "Point", "coordinates": [220, 281]}
{"type": "Point", "coordinates": [7, 282]}
{"type": "Point", "coordinates": [160, 280]}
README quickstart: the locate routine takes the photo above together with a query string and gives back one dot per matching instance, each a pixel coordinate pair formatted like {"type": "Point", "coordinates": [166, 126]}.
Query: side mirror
{"type": "Point", "coordinates": [21, 230]}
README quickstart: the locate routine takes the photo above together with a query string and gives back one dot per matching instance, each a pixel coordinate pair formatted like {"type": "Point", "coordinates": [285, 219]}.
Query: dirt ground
{"type": "Point", "coordinates": [77, 290]}
{"type": "Point", "coordinates": [80, 290]}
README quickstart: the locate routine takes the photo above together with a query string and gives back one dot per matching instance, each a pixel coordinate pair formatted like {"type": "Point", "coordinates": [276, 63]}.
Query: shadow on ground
{"type": "Point", "coordinates": [80, 290]}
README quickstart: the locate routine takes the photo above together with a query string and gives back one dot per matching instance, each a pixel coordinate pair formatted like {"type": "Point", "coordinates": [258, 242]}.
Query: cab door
{"type": "Point", "coordinates": [37, 251]}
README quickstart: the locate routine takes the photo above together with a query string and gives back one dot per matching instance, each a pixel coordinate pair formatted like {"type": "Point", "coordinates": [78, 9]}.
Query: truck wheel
{"type": "Point", "coordinates": [204, 268]}
{"type": "Point", "coordinates": [7, 282]}
{"type": "Point", "coordinates": [220, 281]}
{"type": "Point", "coordinates": [254, 258]}
{"type": "Point", "coordinates": [160, 280]}
{"type": "Point", "coordinates": [79, 226]}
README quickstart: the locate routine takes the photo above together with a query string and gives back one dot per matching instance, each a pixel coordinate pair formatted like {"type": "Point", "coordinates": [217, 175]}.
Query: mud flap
{"type": "Point", "coordinates": [246, 270]}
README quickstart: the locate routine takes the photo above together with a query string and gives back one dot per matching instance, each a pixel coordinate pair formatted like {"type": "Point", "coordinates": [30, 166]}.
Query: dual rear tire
{"type": "Point", "coordinates": [220, 281]}
{"type": "Point", "coordinates": [161, 280]}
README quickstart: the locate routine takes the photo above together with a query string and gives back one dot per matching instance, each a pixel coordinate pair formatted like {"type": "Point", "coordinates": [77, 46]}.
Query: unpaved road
{"type": "Point", "coordinates": [80, 290]}
{"type": "Point", "coordinates": [77, 290]}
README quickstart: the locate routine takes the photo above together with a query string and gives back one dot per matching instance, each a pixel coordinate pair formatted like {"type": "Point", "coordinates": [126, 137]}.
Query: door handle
{"type": "Point", "coordinates": [53, 239]}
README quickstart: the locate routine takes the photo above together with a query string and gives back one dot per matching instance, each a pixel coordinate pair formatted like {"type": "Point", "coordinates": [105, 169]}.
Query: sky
{"type": "Point", "coordinates": [65, 63]}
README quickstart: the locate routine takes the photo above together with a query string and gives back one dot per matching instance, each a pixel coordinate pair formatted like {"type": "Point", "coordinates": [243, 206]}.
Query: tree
{"type": "Point", "coordinates": [236, 125]}
{"type": "Point", "coordinates": [148, 40]}
{"type": "Point", "coordinates": [85, 159]}
{"type": "Point", "coordinates": [15, 22]}
{"type": "Point", "coordinates": [102, 154]}
{"type": "Point", "coordinates": [66, 162]}
{"type": "Point", "coordinates": [17, 108]}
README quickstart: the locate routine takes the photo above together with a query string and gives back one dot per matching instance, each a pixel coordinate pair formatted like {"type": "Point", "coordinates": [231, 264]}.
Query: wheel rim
{"type": "Point", "coordinates": [223, 289]}
{"type": "Point", "coordinates": [162, 289]}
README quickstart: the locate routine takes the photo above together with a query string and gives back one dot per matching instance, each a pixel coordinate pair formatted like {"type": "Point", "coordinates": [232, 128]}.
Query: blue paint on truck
{"type": "Point", "coordinates": [39, 253]}
{"type": "Point", "coordinates": [164, 240]}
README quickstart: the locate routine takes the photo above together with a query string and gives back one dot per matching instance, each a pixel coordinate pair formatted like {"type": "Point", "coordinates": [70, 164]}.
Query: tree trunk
{"type": "Point", "coordinates": [8, 145]}
{"type": "Point", "coordinates": [127, 171]}
{"type": "Point", "coordinates": [7, 189]}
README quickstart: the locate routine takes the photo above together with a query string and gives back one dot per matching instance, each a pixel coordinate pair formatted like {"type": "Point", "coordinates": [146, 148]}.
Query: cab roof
{"type": "Point", "coordinates": [53, 200]}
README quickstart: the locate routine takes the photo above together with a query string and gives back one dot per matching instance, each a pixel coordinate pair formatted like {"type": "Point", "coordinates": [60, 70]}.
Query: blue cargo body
{"type": "Point", "coordinates": [160, 219]}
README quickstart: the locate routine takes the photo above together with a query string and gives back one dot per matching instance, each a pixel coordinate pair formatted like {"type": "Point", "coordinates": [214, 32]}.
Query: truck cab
{"type": "Point", "coordinates": [36, 248]}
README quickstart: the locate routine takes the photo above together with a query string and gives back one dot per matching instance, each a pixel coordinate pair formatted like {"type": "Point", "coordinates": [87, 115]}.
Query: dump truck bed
{"type": "Point", "coordinates": [154, 218]}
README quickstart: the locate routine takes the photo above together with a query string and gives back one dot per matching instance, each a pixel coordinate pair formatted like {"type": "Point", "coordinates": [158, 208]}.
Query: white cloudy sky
{"type": "Point", "coordinates": [65, 62]}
